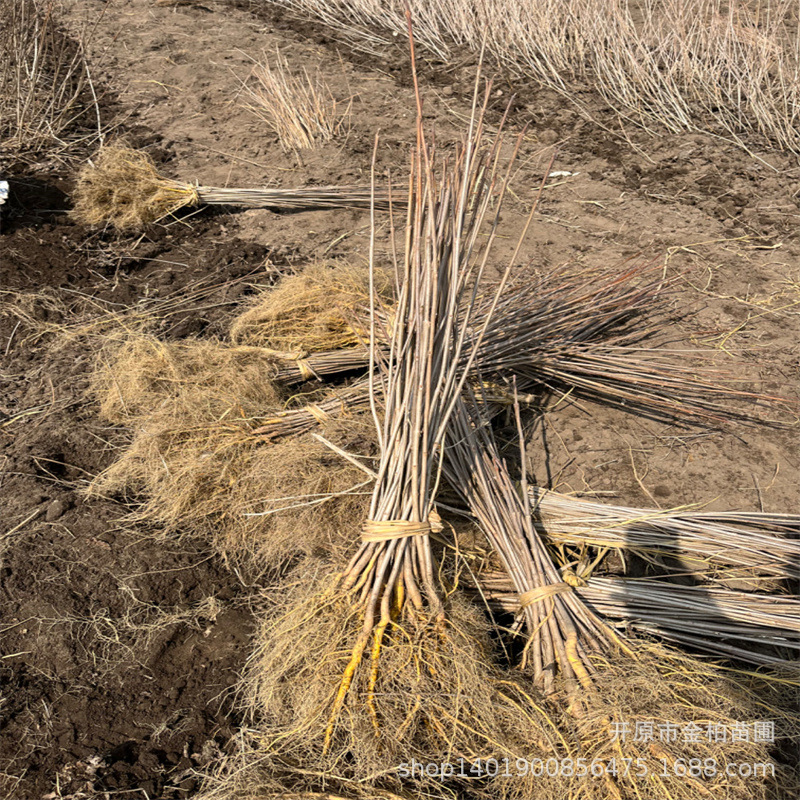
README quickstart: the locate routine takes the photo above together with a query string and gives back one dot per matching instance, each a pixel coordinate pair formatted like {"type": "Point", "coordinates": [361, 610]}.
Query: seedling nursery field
{"type": "Point", "coordinates": [399, 401]}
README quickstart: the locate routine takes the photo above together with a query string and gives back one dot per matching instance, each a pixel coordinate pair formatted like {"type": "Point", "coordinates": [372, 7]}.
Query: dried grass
{"type": "Point", "coordinates": [201, 413]}
{"type": "Point", "coordinates": [137, 373]}
{"type": "Point", "coordinates": [300, 109]}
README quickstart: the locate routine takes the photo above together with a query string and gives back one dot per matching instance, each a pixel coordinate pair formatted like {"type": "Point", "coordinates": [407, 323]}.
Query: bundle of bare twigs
{"type": "Point", "coordinates": [123, 187]}
{"type": "Point", "coordinates": [293, 199]}
{"type": "Point", "coordinates": [585, 333]}
{"type": "Point", "coordinates": [419, 381]}
{"type": "Point", "coordinates": [754, 544]}
{"type": "Point", "coordinates": [322, 365]}
{"type": "Point", "coordinates": [337, 403]}
{"type": "Point", "coordinates": [746, 626]}
{"type": "Point", "coordinates": [563, 630]}
{"type": "Point", "coordinates": [720, 621]}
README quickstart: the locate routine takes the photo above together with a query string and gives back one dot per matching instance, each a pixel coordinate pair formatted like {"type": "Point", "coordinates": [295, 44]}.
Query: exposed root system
{"type": "Point", "coordinates": [194, 465]}
{"type": "Point", "coordinates": [318, 309]}
{"type": "Point", "coordinates": [425, 689]}
{"type": "Point", "coordinates": [123, 187]}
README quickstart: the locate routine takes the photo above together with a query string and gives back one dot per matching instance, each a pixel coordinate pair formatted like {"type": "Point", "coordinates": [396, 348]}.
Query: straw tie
{"type": "Point", "coordinates": [386, 530]}
{"type": "Point", "coordinates": [319, 414]}
{"type": "Point", "coordinates": [540, 593]}
{"type": "Point", "coordinates": [573, 579]}
{"type": "Point", "coordinates": [306, 373]}
{"type": "Point", "coordinates": [298, 356]}
{"type": "Point", "coordinates": [193, 194]}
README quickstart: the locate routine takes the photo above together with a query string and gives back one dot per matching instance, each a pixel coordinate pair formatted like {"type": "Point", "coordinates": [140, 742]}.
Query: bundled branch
{"type": "Point", "coordinates": [585, 333]}
{"type": "Point", "coordinates": [746, 626]}
{"type": "Point", "coordinates": [756, 544]}
{"type": "Point", "coordinates": [123, 187]}
{"type": "Point", "coordinates": [631, 679]}
{"type": "Point", "coordinates": [335, 405]}
{"type": "Point", "coordinates": [563, 630]}
{"type": "Point", "coordinates": [419, 381]}
{"type": "Point", "coordinates": [383, 660]}
{"type": "Point", "coordinates": [739, 625]}
{"type": "Point", "coordinates": [628, 679]}
{"type": "Point", "coordinates": [324, 365]}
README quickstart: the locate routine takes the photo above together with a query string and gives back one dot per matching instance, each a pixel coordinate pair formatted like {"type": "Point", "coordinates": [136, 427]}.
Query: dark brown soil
{"type": "Point", "coordinates": [119, 646]}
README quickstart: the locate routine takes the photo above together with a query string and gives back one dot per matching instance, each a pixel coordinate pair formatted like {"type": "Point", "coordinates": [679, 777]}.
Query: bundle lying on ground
{"type": "Point", "coordinates": [744, 544]}
{"type": "Point", "coordinates": [564, 630]}
{"type": "Point", "coordinates": [584, 333]}
{"type": "Point", "coordinates": [746, 626]}
{"type": "Point", "coordinates": [720, 621]}
{"type": "Point", "coordinates": [335, 405]}
{"type": "Point", "coordinates": [124, 188]}
{"type": "Point", "coordinates": [200, 410]}
{"type": "Point", "coordinates": [740, 625]}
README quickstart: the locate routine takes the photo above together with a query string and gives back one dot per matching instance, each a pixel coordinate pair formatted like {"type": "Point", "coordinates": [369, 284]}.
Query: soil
{"type": "Point", "coordinates": [120, 646]}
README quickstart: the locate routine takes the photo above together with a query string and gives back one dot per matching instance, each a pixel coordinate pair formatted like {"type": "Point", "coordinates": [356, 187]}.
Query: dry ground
{"type": "Point", "coordinates": [119, 649]}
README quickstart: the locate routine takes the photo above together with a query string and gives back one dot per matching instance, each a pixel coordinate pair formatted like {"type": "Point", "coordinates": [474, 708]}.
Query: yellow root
{"type": "Point", "coordinates": [571, 646]}
{"type": "Point", "coordinates": [344, 687]}
{"type": "Point", "coordinates": [373, 675]}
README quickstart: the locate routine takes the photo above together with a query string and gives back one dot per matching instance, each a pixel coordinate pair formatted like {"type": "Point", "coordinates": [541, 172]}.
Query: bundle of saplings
{"type": "Point", "coordinates": [424, 604]}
